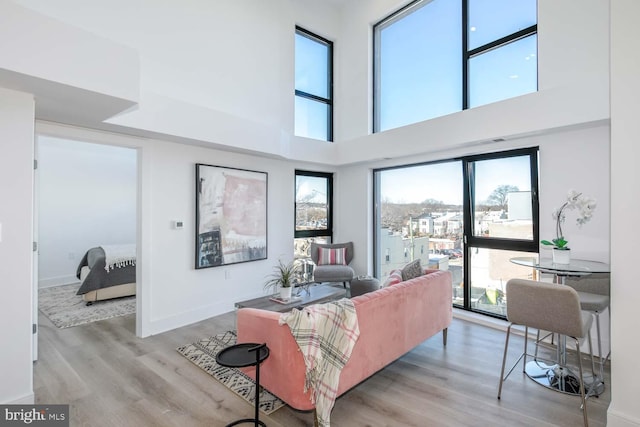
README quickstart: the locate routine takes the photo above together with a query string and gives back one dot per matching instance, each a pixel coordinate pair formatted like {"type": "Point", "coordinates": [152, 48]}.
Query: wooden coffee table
{"type": "Point", "coordinates": [317, 294]}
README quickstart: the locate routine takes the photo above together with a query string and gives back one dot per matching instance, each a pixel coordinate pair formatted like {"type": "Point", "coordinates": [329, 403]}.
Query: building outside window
{"type": "Point", "coordinates": [434, 58]}
{"type": "Point", "coordinates": [484, 211]}
{"type": "Point", "coordinates": [313, 86]}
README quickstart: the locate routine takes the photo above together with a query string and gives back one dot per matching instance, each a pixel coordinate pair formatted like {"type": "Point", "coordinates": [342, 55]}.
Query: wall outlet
{"type": "Point", "coordinates": [71, 256]}
{"type": "Point", "coordinates": [227, 275]}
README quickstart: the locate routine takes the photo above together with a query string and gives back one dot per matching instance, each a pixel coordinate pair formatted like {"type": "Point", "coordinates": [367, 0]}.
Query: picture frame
{"type": "Point", "coordinates": [231, 216]}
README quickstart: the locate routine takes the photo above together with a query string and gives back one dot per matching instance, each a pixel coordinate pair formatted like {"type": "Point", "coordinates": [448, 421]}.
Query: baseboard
{"type": "Point", "coordinates": [57, 281]}
{"type": "Point", "coordinates": [615, 419]}
{"type": "Point", "coordinates": [481, 319]}
{"type": "Point", "coordinates": [158, 326]}
{"type": "Point", "coordinates": [29, 399]}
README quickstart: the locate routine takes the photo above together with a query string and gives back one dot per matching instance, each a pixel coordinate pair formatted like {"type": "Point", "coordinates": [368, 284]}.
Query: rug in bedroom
{"type": "Point", "coordinates": [65, 309]}
{"type": "Point", "coordinates": [203, 354]}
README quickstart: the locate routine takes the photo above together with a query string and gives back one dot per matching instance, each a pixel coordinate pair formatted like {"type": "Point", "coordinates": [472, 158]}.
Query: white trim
{"type": "Point", "coordinates": [29, 399]}
{"type": "Point", "coordinates": [57, 281]}
{"type": "Point", "coordinates": [617, 419]}
{"type": "Point", "coordinates": [480, 319]}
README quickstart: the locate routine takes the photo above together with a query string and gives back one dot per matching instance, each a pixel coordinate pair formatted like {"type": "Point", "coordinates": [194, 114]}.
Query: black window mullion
{"type": "Point", "coordinates": [504, 40]}
{"type": "Point", "coordinates": [468, 177]}
{"type": "Point", "coordinates": [313, 97]}
{"type": "Point", "coordinates": [465, 54]}
{"type": "Point", "coordinates": [330, 91]}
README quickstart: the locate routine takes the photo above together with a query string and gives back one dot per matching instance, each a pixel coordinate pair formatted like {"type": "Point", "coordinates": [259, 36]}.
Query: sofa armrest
{"type": "Point", "coordinates": [283, 373]}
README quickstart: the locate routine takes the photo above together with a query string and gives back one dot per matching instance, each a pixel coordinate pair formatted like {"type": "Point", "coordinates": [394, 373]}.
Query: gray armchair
{"type": "Point", "coordinates": [332, 272]}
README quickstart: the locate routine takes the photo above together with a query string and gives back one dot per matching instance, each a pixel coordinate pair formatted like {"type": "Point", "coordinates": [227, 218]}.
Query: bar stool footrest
{"type": "Point", "coordinates": [247, 420]}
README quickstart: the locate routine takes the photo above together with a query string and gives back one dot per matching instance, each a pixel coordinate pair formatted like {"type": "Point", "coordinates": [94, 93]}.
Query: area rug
{"type": "Point", "coordinates": [66, 309]}
{"type": "Point", "coordinates": [203, 355]}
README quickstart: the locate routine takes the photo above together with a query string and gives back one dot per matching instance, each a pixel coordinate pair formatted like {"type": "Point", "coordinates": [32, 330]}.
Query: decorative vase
{"type": "Point", "coordinates": [285, 293]}
{"type": "Point", "coordinates": [561, 256]}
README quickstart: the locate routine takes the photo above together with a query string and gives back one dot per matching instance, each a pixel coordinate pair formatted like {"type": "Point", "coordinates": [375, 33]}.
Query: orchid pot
{"type": "Point", "coordinates": [561, 256]}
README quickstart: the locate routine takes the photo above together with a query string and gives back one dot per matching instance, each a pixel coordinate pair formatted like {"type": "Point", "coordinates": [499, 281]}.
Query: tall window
{"type": "Point", "coordinates": [313, 210]}
{"type": "Point", "coordinates": [437, 57]}
{"type": "Point", "coordinates": [467, 215]}
{"type": "Point", "coordinates": [314, 86]}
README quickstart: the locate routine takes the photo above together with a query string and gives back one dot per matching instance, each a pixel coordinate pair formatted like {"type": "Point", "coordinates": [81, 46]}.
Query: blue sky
{"type": "Point", "coordinates": [443, 181]}
{"type": "Point", "coordinates": [421, 59]}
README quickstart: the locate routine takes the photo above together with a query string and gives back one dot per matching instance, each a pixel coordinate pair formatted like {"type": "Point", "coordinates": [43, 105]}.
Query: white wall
{"type": "Point", "coordinates": [16, 217]}
{"type": "Point", "coordinates": [240, 93]}
{"type": "Point", "coordinates": [173, 293]}
{"type": "Point", "coordinates": [87, 198]}
{"type": "Point", "coordinates": [229, 77]}
{"type": "Point", "coordinates": [624, 410]}
{"type": "Point", "coordinates": [577, 160]}
{"type": "Point", "coordinates": [95, 72]}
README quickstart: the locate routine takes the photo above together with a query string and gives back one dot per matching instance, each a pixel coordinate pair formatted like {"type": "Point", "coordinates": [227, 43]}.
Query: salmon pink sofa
{"type": "Point", "coordinates": [392, 321]}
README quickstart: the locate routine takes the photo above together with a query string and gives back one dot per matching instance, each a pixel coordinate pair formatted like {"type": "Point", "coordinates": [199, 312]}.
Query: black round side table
{"type": "Point", "coordinates": [241, 356]}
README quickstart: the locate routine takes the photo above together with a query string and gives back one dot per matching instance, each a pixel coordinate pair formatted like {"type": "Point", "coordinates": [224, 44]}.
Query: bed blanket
{"type": "Point", "coordinates": [99, 277]}
{"type": "Point", "coordinates": [326, 334]}
{"type": "Point", "coordinates": [119, 256]}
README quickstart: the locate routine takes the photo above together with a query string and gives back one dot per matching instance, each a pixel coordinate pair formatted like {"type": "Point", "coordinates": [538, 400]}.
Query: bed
{"type": "Point", "coordinates": [106, 272]}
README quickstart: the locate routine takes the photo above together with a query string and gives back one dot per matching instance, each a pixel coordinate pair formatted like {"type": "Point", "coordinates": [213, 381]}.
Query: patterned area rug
{"type": "Point", "coordinates": [65, 309]}
{"type": "Point", "coordinates": [203, 354]}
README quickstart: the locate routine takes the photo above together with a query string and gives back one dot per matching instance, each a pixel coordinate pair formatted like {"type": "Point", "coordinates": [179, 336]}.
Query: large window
{"type": "Point", "coordinates": [437, 57]}
{"type": "Point", "coordinates": [313, 210]}
{"type": "Point", "coordinates": [314, 86]}
{"type": "Point", "coordinates": [468, 215]}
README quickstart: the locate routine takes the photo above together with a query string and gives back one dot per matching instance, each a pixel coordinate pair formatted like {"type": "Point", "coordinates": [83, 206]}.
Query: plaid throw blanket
{"type": "Point", "coordinates": [326, 334]}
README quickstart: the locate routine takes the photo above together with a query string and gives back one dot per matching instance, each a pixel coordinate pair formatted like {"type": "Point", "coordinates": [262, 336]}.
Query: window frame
{"type": "Point", "coordinates": [468, 190]}
{"type": "Point", "coordinates": [315, 98]}
{"type": "Point", "coordinates": [328, 232]}
{"type": "Point", "coordinates": [467, 54]}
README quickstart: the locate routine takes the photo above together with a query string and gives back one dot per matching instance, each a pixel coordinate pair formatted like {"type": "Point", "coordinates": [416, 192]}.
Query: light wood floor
{"type": "Point", "coordinates": [111, 378]}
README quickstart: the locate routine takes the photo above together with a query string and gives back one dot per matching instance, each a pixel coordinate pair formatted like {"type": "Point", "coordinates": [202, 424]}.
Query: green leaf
{"type": "Point", "coordinates": [560, 243]}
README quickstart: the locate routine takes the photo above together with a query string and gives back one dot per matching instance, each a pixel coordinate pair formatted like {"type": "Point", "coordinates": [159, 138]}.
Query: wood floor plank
{"type": "Point", "coordinates": [111, 378]}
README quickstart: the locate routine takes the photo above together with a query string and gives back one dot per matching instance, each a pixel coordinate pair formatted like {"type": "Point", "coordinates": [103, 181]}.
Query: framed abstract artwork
{"type": "Point", "coordinates": [231, 216]}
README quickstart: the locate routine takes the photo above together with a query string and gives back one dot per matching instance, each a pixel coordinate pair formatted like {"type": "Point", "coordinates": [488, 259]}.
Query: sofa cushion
{"type": "Point", "coordinates": [332, 256]}
{"type": "Point", "coordinates": [412, 270]}
{"type": "Point", "coordinates": [394, 278]}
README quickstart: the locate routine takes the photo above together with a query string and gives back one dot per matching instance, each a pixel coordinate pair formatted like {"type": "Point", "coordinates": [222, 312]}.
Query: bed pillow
{"type": "Point", "coordinates": [412, 270]}
{"type": "Point", "coordinates": [394, 278]}
{"type": "Point", "coordinates": [332, 256]}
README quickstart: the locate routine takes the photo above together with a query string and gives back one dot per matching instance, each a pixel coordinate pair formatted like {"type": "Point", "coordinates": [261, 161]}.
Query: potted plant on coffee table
{"type": "Point", "coordinates": [282, 278]}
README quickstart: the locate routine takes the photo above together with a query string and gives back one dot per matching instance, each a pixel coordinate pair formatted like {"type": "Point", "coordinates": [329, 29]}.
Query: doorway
{"type": "Point", "coordinates": [86, 196]}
